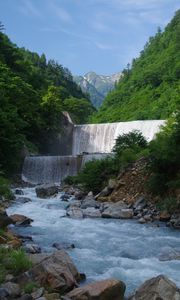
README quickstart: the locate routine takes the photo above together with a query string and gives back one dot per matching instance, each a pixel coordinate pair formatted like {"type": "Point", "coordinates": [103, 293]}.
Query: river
{"type": "Point", "coordinates": [104, 248]}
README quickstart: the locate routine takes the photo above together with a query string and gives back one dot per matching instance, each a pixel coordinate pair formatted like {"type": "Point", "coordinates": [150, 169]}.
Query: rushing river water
{"type": "Point", "coordinates": [105, 248]}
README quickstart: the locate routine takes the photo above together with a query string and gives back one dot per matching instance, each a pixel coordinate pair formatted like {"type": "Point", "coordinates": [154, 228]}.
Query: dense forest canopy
{"type": "Point", "coordinates": [33, 94]}
{"type": "Point", "coordinates": [150, 88]}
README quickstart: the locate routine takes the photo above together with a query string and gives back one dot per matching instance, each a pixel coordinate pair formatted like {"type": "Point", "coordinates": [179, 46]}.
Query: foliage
{"type": "Point", "coordinates": [4, 188]}
{"type": "Point", "coordinates": [168, 204]}
{"type": "Point", "coordinates": [18, 261]}
{"type": "Point", "coordinates": [150, 88]}
{"type": "Point", "coordinates": [133, 140]}
{"type": "Point", "coordinates": [165, 158]}
{"type": "Point", "coordinates": [71, 180]}
{"type": "Point", "coordinates": [95, 174]}
{"type": "Point", "coordinates": [13, 261]}
{"type": "Point", "coordinates": [30, 286]}
{"type": "Point", "coordinates": [34, 92]}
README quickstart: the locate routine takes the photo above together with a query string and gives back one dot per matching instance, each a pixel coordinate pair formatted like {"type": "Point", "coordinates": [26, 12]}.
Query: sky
{"type": "Point", "coordinates": [86, 35]}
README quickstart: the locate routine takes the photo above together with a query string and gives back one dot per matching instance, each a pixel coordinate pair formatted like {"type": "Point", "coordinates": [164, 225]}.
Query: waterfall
{"type": "Point", "coordinates": [96, 140]}
{"type": "Point", "coordinates": [100, 138]}
{"type": "Point", "coordinates": [49, 169]}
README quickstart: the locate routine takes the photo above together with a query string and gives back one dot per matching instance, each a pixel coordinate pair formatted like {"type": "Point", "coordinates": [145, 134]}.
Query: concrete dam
{"type": "Point", "coordinates": [87, 142]}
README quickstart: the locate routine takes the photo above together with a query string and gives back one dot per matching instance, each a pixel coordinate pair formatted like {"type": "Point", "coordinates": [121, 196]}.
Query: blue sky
{"type": "Point", "coordinates": [86, 35]}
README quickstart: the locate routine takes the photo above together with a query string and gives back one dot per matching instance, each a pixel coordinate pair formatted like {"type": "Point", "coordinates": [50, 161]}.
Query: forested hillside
{"type": "Point", "coordinates": [150, 88]}
{"type": "Point", "coordinates": [33, 94]}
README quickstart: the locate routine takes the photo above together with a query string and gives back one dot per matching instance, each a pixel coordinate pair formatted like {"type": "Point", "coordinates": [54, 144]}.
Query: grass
{"type": "Point", "coordinates": [13, 261]}
{"type": "Point", "coordinates": [30, 286]}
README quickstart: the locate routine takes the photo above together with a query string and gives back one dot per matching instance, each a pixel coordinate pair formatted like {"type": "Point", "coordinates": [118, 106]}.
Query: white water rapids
{"type": "Point", "coordinates": [104, 248]}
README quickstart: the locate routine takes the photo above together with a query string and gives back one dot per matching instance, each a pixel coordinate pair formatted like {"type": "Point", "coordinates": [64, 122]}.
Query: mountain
{"type": "Point", "coordinates": [97, 86]}
{"type": "Point", "coordinates": [150, 88]}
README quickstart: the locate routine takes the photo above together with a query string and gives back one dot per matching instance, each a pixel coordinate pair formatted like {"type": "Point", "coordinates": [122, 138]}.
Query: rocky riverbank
{"type": "Point", "coordinates": [54, 276]}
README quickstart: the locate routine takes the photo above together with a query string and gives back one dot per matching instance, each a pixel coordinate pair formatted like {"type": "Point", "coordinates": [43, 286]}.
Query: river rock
{"type": "Point", "coordinates": [19, 192]}
{"type": "Point", "coordinates": [46, 190]}
{"type": "Point", "coordinates": [110, 289]}
{"type": "Point", "coordinates": [169, 253]}
{"type": "Point", "coordinates": [31, 248]}
{"type": "Point", "coordinates": [175, 222]}
{"type": "Point", "coordinates": [89, 202]}
{"type": "Point", "coordinates": [4, 219]}
{"type": "Point", "coordinates": [164, 216]}
{"type": "Point", "coordinates": [74, 212]}
{"type": "Point", "coordinates": [26, 297]}
{"type": "Point", "coordinates": [91, 212]}
{"type": "Point", "coordinates": [13, 289]}
{"type": "Point", "coordinates": [142, 221]}
{"type": "Point", "coordinates": [157, 288]}
{"type": "Point", "coordinates": [20, 220]}
{"type": "Point", "coordinates": [3, 293]}
{"type": "Point", "coordinates": [38, 293]}
{"type": "Point", "coordinates": [65, 246]}
{"type": "Point", "coordinates": [56, 272]}
{"type": "Point", "coordinates": [23, 200]}
{"type": "Point", "coordinates": [140, 204]}
{"type": "Point", "coordinates": [117, 210]}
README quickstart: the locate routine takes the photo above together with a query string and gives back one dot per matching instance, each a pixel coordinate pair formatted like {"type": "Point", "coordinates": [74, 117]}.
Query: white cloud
{"type": "Point", "coordinates": [103, 46]}
{"type": "Point", "coordinates": [28, 8]}
{"type": "Point", "coordinates": [60, 12]}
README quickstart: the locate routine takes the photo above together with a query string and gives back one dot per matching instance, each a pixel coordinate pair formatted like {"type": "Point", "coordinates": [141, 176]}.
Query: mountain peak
{"type": "Point", "coordinates": [98, 86]}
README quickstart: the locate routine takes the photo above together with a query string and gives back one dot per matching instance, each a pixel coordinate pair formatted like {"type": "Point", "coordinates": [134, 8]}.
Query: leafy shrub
{"type": "Point", "coordinates": [95, 174]}
{"type": "Point", "coordinates": [71, 180]}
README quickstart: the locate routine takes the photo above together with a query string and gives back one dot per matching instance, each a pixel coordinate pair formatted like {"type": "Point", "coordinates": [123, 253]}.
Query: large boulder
{"type": "Point", "coordinates": [20, 220]}
{"type": "Point", "coordinates": [56, 272]}
{"type": "Point", "coordinates": [4, 219]}
{"type": "Point", "coordinates": [117, 210]}
{"type": "Point", "coordinates": [89, 202]}
{"type": "Point", "coordinates": [157, 288]}
{"type": "Point", "coordinates": [74, 212]}
{"type": "Point", "coordinates": [110, 289]}
{"type": "Point", "coordinates": [91, 212]}
{"type": "Point", "coordinates": [46, 190]}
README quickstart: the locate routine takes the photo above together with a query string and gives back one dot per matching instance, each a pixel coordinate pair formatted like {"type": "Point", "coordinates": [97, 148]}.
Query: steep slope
{"type": "Point", "coordinates": [97, 86]}
{"type": "Point", "coordinates": [150, 89]}
{"type": "Point", "coordinates": [34, 93]}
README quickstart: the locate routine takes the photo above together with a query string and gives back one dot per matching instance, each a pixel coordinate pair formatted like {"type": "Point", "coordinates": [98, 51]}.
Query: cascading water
{"type": "Point", "coordinates": [97, 140]}
{"type": "Point", "coordinates": [101, 138]}
{"type": "Point", "coordinates": [49, 169]}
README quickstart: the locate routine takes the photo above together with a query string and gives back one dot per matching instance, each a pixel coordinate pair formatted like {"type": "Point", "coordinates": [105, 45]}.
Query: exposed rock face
{"type": "Point", "coordinates": [157, 288]}
{"type": "Point", "coordinates": [20, 220]}
{"type": "Point", "coordinates": [110, 289]}
{"type": "Point", "coordinates": [46, 190]}
{"type": "Point", "coordinates": [56, 272]}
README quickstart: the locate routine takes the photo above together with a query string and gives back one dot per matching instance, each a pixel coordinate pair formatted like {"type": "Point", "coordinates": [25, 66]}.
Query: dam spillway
{"type": "Point", "coordinates": [89, 141]}
{"type": "Point", "coordinates": [100, 138]}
